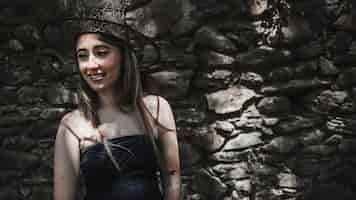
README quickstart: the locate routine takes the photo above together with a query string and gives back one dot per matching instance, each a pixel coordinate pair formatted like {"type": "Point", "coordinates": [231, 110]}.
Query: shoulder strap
{"type": "Point", "coordinates": [72, 132]}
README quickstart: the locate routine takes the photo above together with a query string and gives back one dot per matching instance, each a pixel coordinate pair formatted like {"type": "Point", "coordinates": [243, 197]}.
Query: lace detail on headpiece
{"type": "Point", "coordinates": [102, 10]}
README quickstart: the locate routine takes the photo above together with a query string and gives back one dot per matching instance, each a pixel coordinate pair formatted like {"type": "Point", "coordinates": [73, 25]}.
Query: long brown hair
{"type": "Point", "coordinates": [127, 89]}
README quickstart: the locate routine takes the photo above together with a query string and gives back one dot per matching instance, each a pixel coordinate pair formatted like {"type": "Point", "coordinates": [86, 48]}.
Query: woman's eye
{"type": "Point", "coordinates": [81, 56]}
{"type": "Point", "coordinates": [102, 53]}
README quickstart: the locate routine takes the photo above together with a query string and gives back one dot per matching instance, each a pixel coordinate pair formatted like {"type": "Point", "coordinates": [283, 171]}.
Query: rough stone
{"type": "Point", "coordinates": [329, 101]}
{"type": "Point", "coordinates": [29, 94]}
{"type": "Point", "coordinates": [15, 45]}
{"type": "Point", "coordinates": [252, 80]}
{"type": "Point", "coordinates": [59, 95]}
{"type": "Point", "coordinates": [294, 87]}
{"type": "Point", "coordinates": [257, 7]}
{"type": "Point", "coordinates": [296, 32]}
{"type": "Point", "coordinates": [348, 146]}
{"type": "Point", "coordinates": [262, 57]}
{"type": "Point", "coordinates": [327, 67]}
{"type": "Point", "coordinates": [189, 155]}
{"type": "Point", "coordinates": [210, 38]}
{"type": "Point", "coordinates": [239, 171]}
{"type": "Point", "coordinates": [209, 185]}
{"type": "Point", "coordinates": [28, 34]}
{"type": "Point", "coordinates": [310, 50]}
{"type": "Point", "coordinates": [323, 150]}
{"type": "Point", "coordinates": [174, 84]}
{"type": "Point", "coordinates": [230, 100]}
{"type": "Point", "coordinates": [212, 59]}
{"type": "Point", "coordinates": [224, 126]}
{"type": "Point", "coordinates": [243, 141]}
{"type": "Point", "coordinates": [156, 18]}
{"type": "Point", "coordinates": [189, 115]}
{"type": "Point", "coordinates": [347, 78]}
{"type": "Point", "coordinates": [188, 22]}
{"type": "Point", "coordinates": [207, 139]}
{"type": "Point", "coordinates": [230, 156]}
{"type": "Point", "coordinates": [270, 105]}
{"type": "Point", "coordinates": [282, 144]}
{"type": "Point", "coordinates": [8, 194]}
{"type": "Point", "coordinates": [52, 113]}
{"type": "Point", "coordinates": [17, 160]}
{"type": "Point", "coordinates": [313, 137]}
{"type": "Point", "coordinates": [287, 180]}
{"type": "Point", "coordinates": [296, 123]}
{"type": "Point", "coordinates": [241, 185]}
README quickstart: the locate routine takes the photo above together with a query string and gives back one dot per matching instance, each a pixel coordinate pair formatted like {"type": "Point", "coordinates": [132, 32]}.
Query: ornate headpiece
{"type": "Point", "coordinates": [97, 16]}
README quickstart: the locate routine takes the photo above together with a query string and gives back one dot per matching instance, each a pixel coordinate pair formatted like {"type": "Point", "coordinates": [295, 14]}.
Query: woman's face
{"type": "Point", "coordinates": [99, 62]}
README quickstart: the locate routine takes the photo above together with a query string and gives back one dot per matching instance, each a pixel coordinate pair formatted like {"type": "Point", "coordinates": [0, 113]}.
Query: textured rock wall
{"type": "Point", "coordinates": [264, 94]}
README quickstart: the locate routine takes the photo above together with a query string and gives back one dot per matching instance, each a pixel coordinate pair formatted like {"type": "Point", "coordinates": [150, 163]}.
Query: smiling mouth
{"type": "Point", "coordinates": [96, 76]}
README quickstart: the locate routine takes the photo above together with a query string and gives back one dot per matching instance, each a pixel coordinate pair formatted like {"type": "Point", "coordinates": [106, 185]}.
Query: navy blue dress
{"type": "Point", "coordinates": [137, 178]}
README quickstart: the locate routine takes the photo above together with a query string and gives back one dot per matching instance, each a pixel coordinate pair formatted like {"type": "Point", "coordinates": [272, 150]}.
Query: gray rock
{"type": "Point", "coordinates": [28, 34]}
{"type": "Point", "coordinates": [207, 139]}
{"type": "Point", "coordinates": [329, 101]}
{"type": "Point", "coordinates": [327, 67]}
{"type": "Point", "coordinates": [42, 193]}
{"type": "Point", "coordinates": [310, 50]}
{"type": "Point", "coordinates": [313, 137]}
{"type": "Point", "coordinates": [15, 45]}
{"type": "Point", "coordinates": [294, 87]}
{"type": "Point", "coordinates": [189, 155]}
{"type": "Point", "coordinates": [230, 156]}
{"type": "Point", "coordinates": [297, 123]}
{"type": "Point", "coordinates": [210, 38]}
{"type": "Point", "coordinates": [224, 126]}
{"type": "Point", "coordinates": [306, 69]}
{"type": "Point", "coordinates": [278, 105]}
{"type": "Point", "coordinates": [348, 146]}
{"type": "Point", "coordinates": [296, 32]}
{"type": "Point", "coordinates": [189, 115]}
{"type": "Point", "coordinates": [230, 100]}
{"type": "Point", "coordinates": [52, 113]}
{"type": "Point", "coordinates": [8, 193]}
{"type": "Point", "coordinates": [188, 23]}
{"type": "Point", "coordinates": [171, 84]}
{"type": "Point", "coordinates": [28, 94]}
{"type": "Point", "coordinates": [282, 144]}
{"type": "Point", "coordinates": [240, 185]}
{"type": "Point", "coordinates": [13, 119]}
{"type": "Point", "coordinates": [156, 18]}
{"type": "Point", "coordinates": [9, 93]}
{"type": "Point", "coordinates": [59, 95]}
{"type": "Point", "coordinates": [257, 7]}
{"type": "Point", "coordinates": [210, 8]}
{"type": "Point", "coordinates": [205, 82]}
{"type": "Point", "coordinates": [262, 57]}
{"type": "Point", "coordinates": [243, 141]}
{"type": "Point", "coordinates": [238, 172]}
{"type": "Point", "coordinates": [209, 185]}
{"type": "Point", "coordinates": [251, 80]}
{"type": "Point", "coordinates": [17, 160]}
{"type": "Point", "coordinates": [281, 74]}
{"type": "Point", "coordinates": [347, 78]}
{"type": "Point", "coordinates": [322, 150]}
{"type": "Point", "coordinates": [288, 180]}
{"type": "Point", "coordinates": [212, 59]}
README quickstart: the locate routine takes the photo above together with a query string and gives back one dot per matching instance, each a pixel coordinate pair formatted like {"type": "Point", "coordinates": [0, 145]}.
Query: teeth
{"type": "Point", "coordinates": [96, 76]}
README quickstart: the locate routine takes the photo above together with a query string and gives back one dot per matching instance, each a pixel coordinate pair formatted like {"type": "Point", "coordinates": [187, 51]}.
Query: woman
{"type": "Point", "coordinates": [117, 139]}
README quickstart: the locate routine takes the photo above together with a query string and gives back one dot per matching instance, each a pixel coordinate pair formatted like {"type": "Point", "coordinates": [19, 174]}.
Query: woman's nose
{"type": "Point", "coordinates": [92, 62]}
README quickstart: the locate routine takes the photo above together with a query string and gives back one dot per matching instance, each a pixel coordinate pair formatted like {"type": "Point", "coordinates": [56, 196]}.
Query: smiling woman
{"type": "Point", "coordinates": [118, 139]}
{"type": "Point", "coordinates": [99, 62]}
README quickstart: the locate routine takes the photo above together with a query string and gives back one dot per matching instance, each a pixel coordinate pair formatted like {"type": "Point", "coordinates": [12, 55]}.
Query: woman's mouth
{"type": "Point", "coordinates": [96, 76]}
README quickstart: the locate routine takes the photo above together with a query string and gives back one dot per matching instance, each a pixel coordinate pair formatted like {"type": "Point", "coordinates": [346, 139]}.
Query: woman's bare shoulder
{"type": "Point", "coordinates": [155, 103]}
{"type": "Point", "coordinates": [75, 123]}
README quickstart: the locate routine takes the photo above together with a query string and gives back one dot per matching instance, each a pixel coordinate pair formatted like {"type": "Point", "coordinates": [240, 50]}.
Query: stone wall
{"type": "Point", "coordinates": [264, 94]}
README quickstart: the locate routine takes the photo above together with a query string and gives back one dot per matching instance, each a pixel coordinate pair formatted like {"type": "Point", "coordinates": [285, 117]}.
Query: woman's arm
{"type": "Point", "coordinates": [66, 163]}
{"type": "Point", "coordinates": [170, 153]}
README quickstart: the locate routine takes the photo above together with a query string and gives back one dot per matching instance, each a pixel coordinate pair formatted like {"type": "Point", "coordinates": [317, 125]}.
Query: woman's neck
{"type": "Point", "coordinates": [107, 99]}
